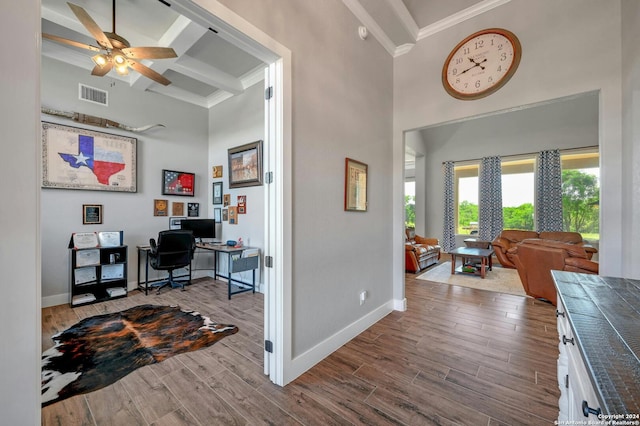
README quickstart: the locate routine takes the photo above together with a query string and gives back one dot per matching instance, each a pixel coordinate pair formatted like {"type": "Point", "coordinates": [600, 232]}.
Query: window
{"type": "Point", "coordinates": [466, 193]}
{"type": "Point", "coordinates": [518, 189]}
{"type": "Point", "coordinates": [581, 193]}
{"type": "Point", "coordinates": [580, 199]}
{"type": "Point", "coordinates": [410, 204]}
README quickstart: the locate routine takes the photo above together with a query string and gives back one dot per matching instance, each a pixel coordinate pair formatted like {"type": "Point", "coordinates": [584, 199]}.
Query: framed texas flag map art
{"type": "Point", "coordinates": [74, 158]}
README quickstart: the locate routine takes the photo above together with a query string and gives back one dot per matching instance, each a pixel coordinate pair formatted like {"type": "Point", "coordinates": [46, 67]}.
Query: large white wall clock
{"type": "Point", "coordinates": [481, 63]}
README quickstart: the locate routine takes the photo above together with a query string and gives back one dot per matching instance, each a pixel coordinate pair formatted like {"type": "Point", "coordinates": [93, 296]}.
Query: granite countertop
{"type": "Point", "coordinates": [604, 314]}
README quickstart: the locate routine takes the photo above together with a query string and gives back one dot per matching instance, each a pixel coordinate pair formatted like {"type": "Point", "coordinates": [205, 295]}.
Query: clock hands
{"type": "Point", "coordinates": [475, 64]}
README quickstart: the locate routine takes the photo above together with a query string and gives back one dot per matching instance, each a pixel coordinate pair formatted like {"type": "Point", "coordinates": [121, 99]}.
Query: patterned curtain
{"type": "Point", "coordinates": [449, 234]}
{"type": "Point", "coordinates": [549, 192]}
{"type": "Point", "coordinates": [490, 199]}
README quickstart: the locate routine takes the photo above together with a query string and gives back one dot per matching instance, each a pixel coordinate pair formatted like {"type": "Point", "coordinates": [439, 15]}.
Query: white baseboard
{"type": "Point", "coordinates": [400, 305]}
{"type": "Point", "coordinates": [62, 299]}
{"type": "Point", "coordinates": [303, 362]}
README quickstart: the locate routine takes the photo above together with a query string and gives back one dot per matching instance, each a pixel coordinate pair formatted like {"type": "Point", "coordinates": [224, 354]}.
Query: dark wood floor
{"type": "Point", "coordinates": [456, 356]}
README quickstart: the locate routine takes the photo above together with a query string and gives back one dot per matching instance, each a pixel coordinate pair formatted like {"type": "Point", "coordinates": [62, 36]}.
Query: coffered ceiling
{"type": "Point", "coordinates": [210, 67]}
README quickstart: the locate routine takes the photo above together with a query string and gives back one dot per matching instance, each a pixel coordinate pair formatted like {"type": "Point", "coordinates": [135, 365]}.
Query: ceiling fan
{"type": "Point", "coordinates": [115, 51]}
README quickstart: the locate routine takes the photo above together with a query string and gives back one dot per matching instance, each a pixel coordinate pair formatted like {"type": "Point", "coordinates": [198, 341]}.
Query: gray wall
{"type": "Point", "coordinates": [571, 123]}
{"type": "Point", "coordinates": [181, 146]}
{"type": "Point", "coordinates": [19, 212]}
{"type": "Point", "coordinates": [631, 135]}
{"type": "Point", "coordinates": [342, 107]}
{"type": "Point", "coordinates": [238, 121]}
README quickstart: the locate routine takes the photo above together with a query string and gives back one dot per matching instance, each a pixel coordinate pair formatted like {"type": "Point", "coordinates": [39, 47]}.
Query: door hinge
{"type": "Point", "coordinates": [268, 261]}
{"type": "Point", "coordinates": [268, 93]}
{"type": "Point", "coordinates": [268, 346]}
{"type": "Point", "coordinates": [268, 177]}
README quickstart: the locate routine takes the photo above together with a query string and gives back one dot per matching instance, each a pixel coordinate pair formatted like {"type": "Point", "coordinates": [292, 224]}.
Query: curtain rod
{"type": "Point", "coordinates": [562, 151]}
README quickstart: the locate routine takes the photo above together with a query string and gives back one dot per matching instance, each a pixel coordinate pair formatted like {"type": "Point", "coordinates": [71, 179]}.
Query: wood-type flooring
{"type": "Point", "coordinates": [455, 356]}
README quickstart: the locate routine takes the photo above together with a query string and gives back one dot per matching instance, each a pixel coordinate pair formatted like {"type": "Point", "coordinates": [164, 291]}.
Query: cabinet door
{"type": "Point", "coordinates": [581, 388]}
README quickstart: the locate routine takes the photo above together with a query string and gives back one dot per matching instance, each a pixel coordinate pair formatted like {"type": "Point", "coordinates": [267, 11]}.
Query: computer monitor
{"type": "Point", "coordinates": [202, 228]}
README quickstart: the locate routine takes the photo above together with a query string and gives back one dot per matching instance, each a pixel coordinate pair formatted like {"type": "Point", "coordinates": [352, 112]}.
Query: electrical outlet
{"type": "Point", "coordinates": [363, 296]}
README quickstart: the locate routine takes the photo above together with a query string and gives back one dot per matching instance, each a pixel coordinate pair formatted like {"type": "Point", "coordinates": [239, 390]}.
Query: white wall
{"type": "Point", "coordinates": [556, 38]}
{"type": "Point", "coordinates": [342, 107]}
{"type": "Point", "coordinates": [182, 145]}
{"type": "Point", "coordinates": [631, 136]}
{"type": "Point", "coordinates": [238, 121]}
{"type": "Point", "coordinates": [19, 212]}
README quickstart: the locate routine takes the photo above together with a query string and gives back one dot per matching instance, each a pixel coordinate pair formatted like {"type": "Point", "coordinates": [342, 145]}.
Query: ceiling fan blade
{"type": "Point", "coordinates": [70, 42]}
{"type": "Point", "coordinates": [150, 52]}
{"type": "Point", "coordinates": [91, 26]}
{"type": "Point", "coordinates": [100, 71]}
{"type": "Point", "coordinates": [148, 72]}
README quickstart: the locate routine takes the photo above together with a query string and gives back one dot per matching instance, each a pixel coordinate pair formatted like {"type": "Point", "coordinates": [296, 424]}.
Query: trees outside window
{"type": "Point", "coordinates": [580, 194]}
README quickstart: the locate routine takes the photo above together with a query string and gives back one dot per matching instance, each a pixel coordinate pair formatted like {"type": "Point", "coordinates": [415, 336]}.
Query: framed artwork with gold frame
{"type": "Point", "coordinates": [355, 186]}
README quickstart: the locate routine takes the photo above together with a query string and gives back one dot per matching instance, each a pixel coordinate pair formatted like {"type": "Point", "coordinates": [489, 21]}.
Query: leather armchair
{"type": "Point", "coordinates": [420, 252]}
{"type": "Point", "coordinates": [535, 258]}
{"type": "Point", "coordinates": [507, 240]}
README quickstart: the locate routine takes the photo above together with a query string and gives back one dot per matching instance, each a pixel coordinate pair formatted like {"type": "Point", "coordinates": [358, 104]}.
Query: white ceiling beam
{"type": "Point", "coordinates": [208, 74]}
{"type": "Point", "coordinates": [180, 94]}
{"type": "Point", "coordinates": [180, 36]}
{"type": "Point", "coordinates": [363, 16]}
{"type": "Point", "coordinates": [405, 17]}
{"type": "Point", "coordinates": [463, 15]}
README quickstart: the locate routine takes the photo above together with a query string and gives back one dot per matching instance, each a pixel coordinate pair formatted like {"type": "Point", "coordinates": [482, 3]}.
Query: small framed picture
{"type": "Point", "coordinates": [193, 209]}
{"type": "Point", "coordinates": [225, 215]}
{"type": "Point", "coordinates": [355, 186]}
{"type": "Point", "coordinates": [216, 172]}
{"type": "Point", "coordinates": [177, 209]}
{"type": "Point", "coordinates": [217, 192]}
{"type": "Point", "coordinates": [92, 214]}
{"type": "Point", "coordinates": [226, 200]}
{"type": "Point", "coordinates": [160, 208]}
{"type": "Point", "coordinates": [217, 215]}
{"type": "Point", "coordinates": [178, 183]}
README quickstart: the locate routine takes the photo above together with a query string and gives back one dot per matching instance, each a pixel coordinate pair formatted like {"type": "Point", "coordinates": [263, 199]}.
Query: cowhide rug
{"type": "Point", "coordinates": [100, 350]}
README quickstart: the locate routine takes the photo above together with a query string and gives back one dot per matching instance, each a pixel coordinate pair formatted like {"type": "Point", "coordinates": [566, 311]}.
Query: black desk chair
{"type": "Point", "coordinates": [174, 250]}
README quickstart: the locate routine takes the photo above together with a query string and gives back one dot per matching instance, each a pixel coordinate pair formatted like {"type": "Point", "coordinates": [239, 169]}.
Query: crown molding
{"type": "Point", "coordinates": [363, 16]}
{"type": "Point", "coordinates": [463, 15]}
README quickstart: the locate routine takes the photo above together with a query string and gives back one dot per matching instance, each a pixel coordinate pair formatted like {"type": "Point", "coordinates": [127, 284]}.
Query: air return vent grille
{"type": "Point", "coordinates": [91, 94]}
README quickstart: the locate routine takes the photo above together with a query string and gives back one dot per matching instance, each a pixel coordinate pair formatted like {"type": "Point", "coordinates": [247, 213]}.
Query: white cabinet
{"type": "Point", "coordinates": [573, 379]}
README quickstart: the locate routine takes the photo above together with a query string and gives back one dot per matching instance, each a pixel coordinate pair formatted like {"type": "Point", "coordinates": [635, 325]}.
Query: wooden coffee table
{"type": "Point", "coordinates": [483, 255]}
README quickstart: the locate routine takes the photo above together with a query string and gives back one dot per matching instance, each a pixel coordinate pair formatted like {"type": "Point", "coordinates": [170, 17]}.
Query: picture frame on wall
{"type": "Point", "coordinates": [178, 183]}
{"type": "Point", "coordinates": [217, 215]}
{"type": "Point", "coordinates": [245, 165]}
{"type": "Point", "coordinates": [355, 186]}
{"type": "Point", "coordinates": [193, 209]}
{"type": "Point", "coordinates": [92, 214]}
{"type": "Point", "coordinates": [74, 158]}
{"type": "Point", "coordinates": [217, 192]}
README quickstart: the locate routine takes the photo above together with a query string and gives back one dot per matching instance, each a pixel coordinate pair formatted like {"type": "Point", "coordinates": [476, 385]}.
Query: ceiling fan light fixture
{"type": "Point", "coordinates": [119, 59]}
{"type": "Point", "coordinates": [122, 69]}
{"type": "Point", "coordinates": [100, 59]}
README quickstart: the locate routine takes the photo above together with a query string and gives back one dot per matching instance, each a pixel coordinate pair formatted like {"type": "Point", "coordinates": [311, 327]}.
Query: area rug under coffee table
{"type": "Point", "coordinates": [100, 350]}
{"type": "Point", "coordinates": [502, 280]}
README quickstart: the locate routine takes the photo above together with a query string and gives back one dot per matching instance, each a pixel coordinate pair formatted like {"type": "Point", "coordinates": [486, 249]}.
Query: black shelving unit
{"type": "Point", "coordinates": [97, 273]}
